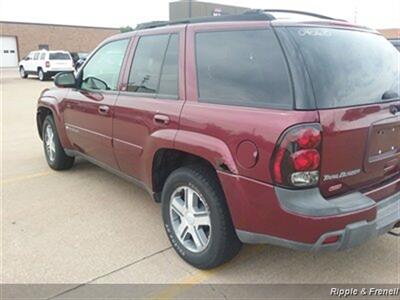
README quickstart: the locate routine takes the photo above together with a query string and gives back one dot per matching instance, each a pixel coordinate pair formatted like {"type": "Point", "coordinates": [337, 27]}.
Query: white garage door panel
{"type": "Point", "coordinates": [8, 51]}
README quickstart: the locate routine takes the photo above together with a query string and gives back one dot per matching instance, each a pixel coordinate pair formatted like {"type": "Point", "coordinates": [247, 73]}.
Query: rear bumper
{"type": "Point", "coordinates": [55, 72]}
{"type": "Point", "coordinates": [303, 220]}
{"type": "Point", "coordinates": [354, 234]}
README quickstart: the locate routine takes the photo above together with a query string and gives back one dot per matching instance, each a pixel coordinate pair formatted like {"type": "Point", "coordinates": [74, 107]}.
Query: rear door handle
{"type": "Point", "coordinates": [104, 109]}
{"type": "Point", "coordinates": [161, 119]}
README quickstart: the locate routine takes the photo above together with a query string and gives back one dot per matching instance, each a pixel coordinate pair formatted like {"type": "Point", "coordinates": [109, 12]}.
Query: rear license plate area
{"type": "Point", "coordinates": [384, 142]}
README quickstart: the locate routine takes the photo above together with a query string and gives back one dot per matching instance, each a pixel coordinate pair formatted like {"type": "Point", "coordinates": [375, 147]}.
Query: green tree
{"type": "Point", "coordinates": [126, 29]}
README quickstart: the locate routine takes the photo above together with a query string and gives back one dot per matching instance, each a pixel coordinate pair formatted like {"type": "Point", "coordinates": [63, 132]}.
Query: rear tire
{"type": "Point", "coordinates": [42, 75]}
{"type": "Point", "coordinates": [217, 241]}
{"type": "Point", "coordinates": [54, 152]}
{"type": "Point", "coordinates": [22, 72]}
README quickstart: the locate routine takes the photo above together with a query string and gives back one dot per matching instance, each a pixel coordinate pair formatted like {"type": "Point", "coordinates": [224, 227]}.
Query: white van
{"type": "Point", "coordinates": [45, 64]}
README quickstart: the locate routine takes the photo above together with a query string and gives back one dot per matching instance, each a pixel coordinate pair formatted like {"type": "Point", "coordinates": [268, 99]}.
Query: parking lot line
{"type": "Point", "coordinates": [202, 275]}
{"type": "Point", "coordinates": [25, 177]}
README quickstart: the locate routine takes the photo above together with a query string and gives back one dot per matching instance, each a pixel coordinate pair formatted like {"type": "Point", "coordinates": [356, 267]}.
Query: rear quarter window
{"type": "Point", "coordinates": [243, 68]}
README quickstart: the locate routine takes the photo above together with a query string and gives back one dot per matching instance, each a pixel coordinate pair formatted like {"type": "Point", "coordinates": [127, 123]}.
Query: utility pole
{"type": "Point", "coordinates": [355, 14]}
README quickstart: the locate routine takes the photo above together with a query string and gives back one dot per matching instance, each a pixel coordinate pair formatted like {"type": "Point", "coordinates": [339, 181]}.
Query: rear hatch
{"type": "Point", "coordinates": [60, 61]}
{"type": "Point", "coordinates": [355, 80]}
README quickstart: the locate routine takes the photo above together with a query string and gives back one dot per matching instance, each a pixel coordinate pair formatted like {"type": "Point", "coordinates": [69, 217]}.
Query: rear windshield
{"type": "Point", "coordinates": [348, 67]}
{"type": "Point", "coordinates": [59, 56]}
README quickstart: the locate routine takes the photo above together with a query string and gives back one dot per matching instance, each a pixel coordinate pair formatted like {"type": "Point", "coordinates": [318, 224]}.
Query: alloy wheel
{"type": "Point", "coordinates": [50, 143]}
{"type": "Point", "coordinates": [190, 219]}
{"type": "Point", "coordinates": [41, 75]}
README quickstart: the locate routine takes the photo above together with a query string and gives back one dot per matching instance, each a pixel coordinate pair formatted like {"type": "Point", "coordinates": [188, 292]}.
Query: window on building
{"type": "Point", "coordinates": [244, 68]}
{"type": "Point", "coordinates": [103, 69]}
{"type": "Point", "coordinates": [43, 47]}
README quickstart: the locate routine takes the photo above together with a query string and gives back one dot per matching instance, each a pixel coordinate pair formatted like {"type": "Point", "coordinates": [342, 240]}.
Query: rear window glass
{"type": "Point", "coordinates": [59, 56]}
{"type": "Point", "coordinates": [347, 67]}
{"type": "Point", "coordinates": [244, 68]}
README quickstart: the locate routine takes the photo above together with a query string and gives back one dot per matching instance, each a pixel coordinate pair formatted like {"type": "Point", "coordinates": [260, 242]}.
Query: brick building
{"type": "Point", "coordinates": [391, 33]}
{"type": "Point", "coordinates": [18, 39]}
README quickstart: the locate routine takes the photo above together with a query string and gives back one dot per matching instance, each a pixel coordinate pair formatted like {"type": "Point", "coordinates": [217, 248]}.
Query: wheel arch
{"type": "Point", "coordinates": [48, 105]}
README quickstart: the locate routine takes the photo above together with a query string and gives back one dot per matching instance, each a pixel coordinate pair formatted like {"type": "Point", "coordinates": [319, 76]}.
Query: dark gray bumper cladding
{"type": "Point", "coordinates": [311, 203]}
{"type": "Point", "coordinates": [388, 214]}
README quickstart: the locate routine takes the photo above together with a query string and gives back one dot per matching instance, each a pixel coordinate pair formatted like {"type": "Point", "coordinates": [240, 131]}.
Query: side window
{"type": "Point", "coordinates": [42, 56]}
{"type": "Point", "coordinates": [154, 68]}
{"type": "Point", "coordinates": [103, 69]}
{"type": "Point", "coordinates": [244, 68]}
{"type": "Point", "coordinates": [36, 56]}
{"type": "Point", "coordinates": [170, 70]}
{"type": "Point", "coordinates": [146, 66]}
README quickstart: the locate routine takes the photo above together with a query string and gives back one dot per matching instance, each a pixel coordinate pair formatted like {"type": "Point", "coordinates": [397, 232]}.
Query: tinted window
{"type": "Point", "coordinates": [170, 70]}
{"type": "Point", "coordinates": [59, 56]}
{"type": "Point", "coordinates": [36, 55]}
{"type": "Point", "coordinates": [146, 67]}
{"type": "Point", "coordinates": [242, 68]}
{"type": "Point", "coordinates": [102, 70]}
{"type": "Point", "coordinates": [42, 56]}
{"type": "Point", "coordinates": [348, 67]}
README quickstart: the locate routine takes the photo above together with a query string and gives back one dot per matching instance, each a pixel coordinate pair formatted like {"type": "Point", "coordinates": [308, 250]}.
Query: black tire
{"type": "Point", "coordinates": [60, 161]}
{"type": "Point", "coordinates": [223, 243]}
{"type": "Point", "coordinates": [42, 75]}
{"type": "Point", "coordinates": [22, 72]}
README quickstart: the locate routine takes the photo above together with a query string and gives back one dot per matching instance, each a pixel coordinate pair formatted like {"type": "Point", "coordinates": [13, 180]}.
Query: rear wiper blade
{"type": "Point", "coordinates": [388, 95]}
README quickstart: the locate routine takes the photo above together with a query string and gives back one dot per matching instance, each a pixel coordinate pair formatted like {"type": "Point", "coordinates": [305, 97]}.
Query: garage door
{"type": "Point", "coordinates": [8, 51]}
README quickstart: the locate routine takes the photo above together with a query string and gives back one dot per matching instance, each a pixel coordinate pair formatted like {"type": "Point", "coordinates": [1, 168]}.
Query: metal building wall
{"type": "Point", "coordinates": [191, 9]}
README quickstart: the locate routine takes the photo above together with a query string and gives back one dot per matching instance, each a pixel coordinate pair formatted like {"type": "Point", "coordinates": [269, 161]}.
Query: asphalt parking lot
{"type": "Point", "coordinates": [86, 225]}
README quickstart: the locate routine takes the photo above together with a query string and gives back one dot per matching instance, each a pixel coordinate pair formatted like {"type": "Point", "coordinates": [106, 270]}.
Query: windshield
{"type": "Point", "coordinates": [59, 56]}
{"type": "Point", "coordinates": [348, 67]}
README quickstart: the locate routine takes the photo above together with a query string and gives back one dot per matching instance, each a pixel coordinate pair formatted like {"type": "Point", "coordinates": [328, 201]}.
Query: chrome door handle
{"type": "Point", "coordinates": [161, 119]}
{"type": "Point", "coordinates": [103, 109]}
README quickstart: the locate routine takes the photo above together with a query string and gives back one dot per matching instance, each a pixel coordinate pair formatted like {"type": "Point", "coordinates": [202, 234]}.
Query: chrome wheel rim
{"type": "Point", "coordinates": [41, 75]}
{"type": "Point", "coordinates": [22, 72]}
{"type": "Point", "coordinates": [190, 219]}
{"type": "Point", "coordinates": [50, 143]}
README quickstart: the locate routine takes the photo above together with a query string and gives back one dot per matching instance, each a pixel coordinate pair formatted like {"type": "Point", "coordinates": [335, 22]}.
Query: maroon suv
{"type": "Point", "coordinates": [246, 128]}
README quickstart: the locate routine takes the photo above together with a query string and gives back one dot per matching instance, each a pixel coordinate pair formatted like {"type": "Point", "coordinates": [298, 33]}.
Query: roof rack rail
{"type": "Point", "coordinates": [297, 12]}
{"type": "Point", "coordinates": [251, 15]}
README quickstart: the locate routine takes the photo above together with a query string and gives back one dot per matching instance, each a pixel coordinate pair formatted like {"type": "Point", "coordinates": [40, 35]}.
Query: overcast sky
{"type": "Point", "coordinates": [117, 13]}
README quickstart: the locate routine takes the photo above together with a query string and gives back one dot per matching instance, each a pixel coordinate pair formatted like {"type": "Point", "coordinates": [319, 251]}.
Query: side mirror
{"type": "Point", "coordinates": [65, 80]}
{"type": "Point", "coordinates": [26, 58]}
{"type": "Point", "coordinates": [79, 63]}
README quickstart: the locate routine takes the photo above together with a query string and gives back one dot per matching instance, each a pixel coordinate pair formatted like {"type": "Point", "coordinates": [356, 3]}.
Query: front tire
{"type": "Point", "coordinates": [22, 73]}
{"type": "Point", "coordinates": [54, 152]}
{"type": "Point", "coordinates": [197, 219]}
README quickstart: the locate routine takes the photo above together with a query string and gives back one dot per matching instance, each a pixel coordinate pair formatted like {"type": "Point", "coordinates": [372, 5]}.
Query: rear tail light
{"type": "Point", "coordinates": [296, 159]}
{"type": "Point", "coordinates": [47, 64]}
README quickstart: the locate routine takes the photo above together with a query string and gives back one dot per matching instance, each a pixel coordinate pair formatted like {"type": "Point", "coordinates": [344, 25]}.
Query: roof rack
{"type": "Point", "coordinates": [297, 12]}
{"type": "Point", "coordinates": [249, 15]}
